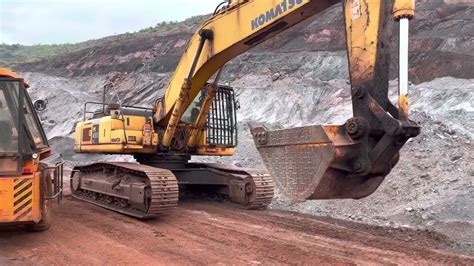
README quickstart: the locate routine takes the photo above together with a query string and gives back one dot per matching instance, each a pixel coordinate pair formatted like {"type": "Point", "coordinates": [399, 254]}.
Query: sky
{"type": "Point", "coordinates": [31, 22]}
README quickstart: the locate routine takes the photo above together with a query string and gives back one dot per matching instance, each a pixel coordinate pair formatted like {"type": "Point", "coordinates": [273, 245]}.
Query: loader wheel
{"type": "Point", "coordinates": [45, 222]}
{"type": "Point", "coordinates": [46, 217]}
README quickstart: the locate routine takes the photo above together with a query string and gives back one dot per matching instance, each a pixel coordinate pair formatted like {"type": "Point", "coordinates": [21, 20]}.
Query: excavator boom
{"type": "Point", "coordinates": [224, 36]}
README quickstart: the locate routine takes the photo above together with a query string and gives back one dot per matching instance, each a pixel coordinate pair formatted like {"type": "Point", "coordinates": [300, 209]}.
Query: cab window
{"type": "Point", "coordinates": [8, 128]}
{"type": "Point", "coordinates": [33, 127]}
{"type": "Point", "coordinates": [191, 114]}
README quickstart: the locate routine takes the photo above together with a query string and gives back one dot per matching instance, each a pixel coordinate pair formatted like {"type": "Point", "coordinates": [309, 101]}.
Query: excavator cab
{"type": "Point", "coordinates": [28, 180]}
{"type": "Point", "coordinates": [220, 129]}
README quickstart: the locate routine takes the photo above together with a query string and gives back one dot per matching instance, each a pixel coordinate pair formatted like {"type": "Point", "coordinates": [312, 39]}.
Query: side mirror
{"type": "Point", "coordinates": [114, 110]}
{"type": "Point", "coordinates": [115, 114]}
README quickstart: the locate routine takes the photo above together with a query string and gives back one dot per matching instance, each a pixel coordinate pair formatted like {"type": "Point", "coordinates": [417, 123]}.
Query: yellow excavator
{"type": "Point", "coordinates": [30, 177]}
{"type": "Point", "coordinates": [197, 117]}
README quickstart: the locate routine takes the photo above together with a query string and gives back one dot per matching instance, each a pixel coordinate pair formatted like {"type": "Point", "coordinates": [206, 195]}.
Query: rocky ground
{"type": "Point", "coordinates": [297, 79]}
{"type": "Point", "coordinates": [431, 188]}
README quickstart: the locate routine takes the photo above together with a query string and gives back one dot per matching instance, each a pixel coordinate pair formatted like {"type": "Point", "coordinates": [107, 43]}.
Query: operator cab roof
{"type": "Point", "coordinates": [4, 72]}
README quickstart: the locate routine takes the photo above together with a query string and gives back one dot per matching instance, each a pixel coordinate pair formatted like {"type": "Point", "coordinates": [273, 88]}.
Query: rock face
{"type": "Point", "coordinates": [300, 78]}
{"type": "Point", "coordinates": [441, 45]}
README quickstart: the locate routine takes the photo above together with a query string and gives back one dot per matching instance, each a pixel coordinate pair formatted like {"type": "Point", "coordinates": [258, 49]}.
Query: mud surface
{"type": "Point", "coordinates": [202, 232]}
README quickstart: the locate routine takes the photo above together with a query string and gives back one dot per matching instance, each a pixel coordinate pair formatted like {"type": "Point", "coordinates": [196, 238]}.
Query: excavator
{"type": "Point", "coordinates": [30, 176]}
{"type": "Point", "coordinates": [197, 117]}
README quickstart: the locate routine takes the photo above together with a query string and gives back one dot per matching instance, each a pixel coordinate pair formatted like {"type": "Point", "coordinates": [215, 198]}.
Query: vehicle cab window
{"type": "Point", "coordinates": [191, 114]}
{"type": "Point", "coordinates": [10, 162]}
{"type": "Point", "coordinates": [8, 127]}
{"type": "Point", "coordinates": [33, 126]}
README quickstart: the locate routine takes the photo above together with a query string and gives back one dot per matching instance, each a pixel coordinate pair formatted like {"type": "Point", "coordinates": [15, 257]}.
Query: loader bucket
{"type": "Point", "coordinates": [316, 162]}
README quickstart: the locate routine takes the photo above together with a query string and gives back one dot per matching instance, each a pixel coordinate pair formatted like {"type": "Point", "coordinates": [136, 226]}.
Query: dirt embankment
{"type": "Point", "coordinates": [441, 45]}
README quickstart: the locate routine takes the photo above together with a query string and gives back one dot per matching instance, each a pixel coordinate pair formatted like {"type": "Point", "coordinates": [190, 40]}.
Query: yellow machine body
{"type": "Point", "coordinates": [27, 181]}
{"type": "Point", "coordinates": [114, 135]}
{"type": "Point", "coordinates": [20, 198]}
{"type": "Point", "coordinates": [126, 135]}
{"type": "Point", "coordinates": [313, 162]}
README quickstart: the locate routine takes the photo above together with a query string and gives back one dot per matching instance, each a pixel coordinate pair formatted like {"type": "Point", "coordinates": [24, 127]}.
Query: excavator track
{"type": "Point", "coordinates": [136, 190]}
{"type": "Point", "coordinates": [264, 191]}
{"type": "Point", "coordinates": [248, 188]}
{"type": "Point", "coordinates": [245, 188]}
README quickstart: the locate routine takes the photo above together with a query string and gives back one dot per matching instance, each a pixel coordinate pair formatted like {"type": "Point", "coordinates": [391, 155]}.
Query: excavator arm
{"type": "Point", "coordinates": [227, 34]}
{"type": "Point", "coordinates": [350, 160]}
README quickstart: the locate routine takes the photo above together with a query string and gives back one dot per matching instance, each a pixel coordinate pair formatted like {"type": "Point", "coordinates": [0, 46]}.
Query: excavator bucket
{"type": "Point", "coordinates": [323, 162]}
{"type": "Point", "coordinates": [296, 158]}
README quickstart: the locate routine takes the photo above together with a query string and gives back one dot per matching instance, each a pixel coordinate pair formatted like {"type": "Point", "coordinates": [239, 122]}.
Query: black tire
{"type": "Point", "coordinates": [46, 215]}
{"type": "Point", "coordinates": [45, 222]}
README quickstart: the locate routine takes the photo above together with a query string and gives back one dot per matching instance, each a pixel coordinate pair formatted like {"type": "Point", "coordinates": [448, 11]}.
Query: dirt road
{"type": "Point", "coordinates": [214, 233]}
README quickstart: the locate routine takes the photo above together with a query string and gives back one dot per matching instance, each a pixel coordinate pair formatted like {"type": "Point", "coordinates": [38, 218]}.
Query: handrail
{"type": "Point", "coordinates": [85, 112]}
{"type": "Point", "coordinates": [58, 181]}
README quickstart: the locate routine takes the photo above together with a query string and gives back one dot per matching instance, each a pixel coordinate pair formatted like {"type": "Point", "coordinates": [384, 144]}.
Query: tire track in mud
{"type": "Point", "coordinates": [203, 232]}
{"type": "Point", "coordinates": [370, 236]}
{"type": "Point", "coordinates": [324, 246]}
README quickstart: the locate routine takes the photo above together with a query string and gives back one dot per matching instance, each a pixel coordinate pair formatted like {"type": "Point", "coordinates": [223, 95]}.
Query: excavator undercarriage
{"type": "Point", "coordinates": [136, 190]}
{"type": "Point", "coordinates": [150, 188]}
{"type": "Point", "coordinates": [248, 188]}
